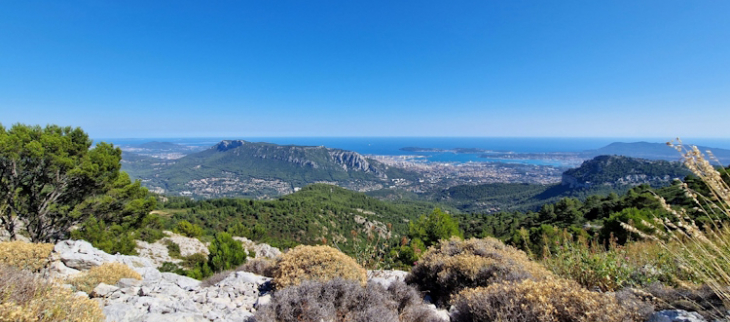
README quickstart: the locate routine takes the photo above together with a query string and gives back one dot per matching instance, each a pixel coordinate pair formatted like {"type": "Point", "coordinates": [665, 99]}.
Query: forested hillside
{"type": "Point", "coordinates": [316, 214]}
{"type": "Point", "coordinates": [599, 176]}
{"type": "Point", "coordinates": [260, 170]}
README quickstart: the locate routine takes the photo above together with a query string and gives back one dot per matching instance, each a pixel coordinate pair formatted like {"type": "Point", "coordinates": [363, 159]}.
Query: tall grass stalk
{"type": "Point", "coordinates": [703, 251]}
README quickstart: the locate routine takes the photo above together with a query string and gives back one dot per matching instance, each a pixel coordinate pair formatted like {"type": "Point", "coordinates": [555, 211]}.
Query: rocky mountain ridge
{"type": "Point", "coordinates": [237, 168]}
{"type": "Point", "coordinates": [616, 171]}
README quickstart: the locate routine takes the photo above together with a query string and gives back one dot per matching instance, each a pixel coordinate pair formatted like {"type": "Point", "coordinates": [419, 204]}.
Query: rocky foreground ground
{"type": "Point", "coordinates": [162, 296]}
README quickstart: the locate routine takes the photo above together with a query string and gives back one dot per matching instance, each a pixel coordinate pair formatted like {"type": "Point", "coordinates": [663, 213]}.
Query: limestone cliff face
{"type": "Point", "coordinates": [352, 161]}
{"type": "Point", "coordinates": [315, 157]}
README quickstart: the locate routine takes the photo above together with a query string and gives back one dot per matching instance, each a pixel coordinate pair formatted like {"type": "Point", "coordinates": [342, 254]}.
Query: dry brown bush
{"type": "Point", "coordinates": [215, 279]}
{"type": "Point", "coordinates": [548, 300]}
{"type": "Point", "coordinates": [27, 298]}
{"type": "Point", "coordinates": [30, 256]}
{"type": "Point", "coordinates": [320, 263]}
{"type": "Point", "coordinates": [454, 265]}
{"type": "Point", "coordinates": [108, 273]}
{"type": "Point", "coordinates": [259, 266]}
{"type": "Point", "coordinates": [341, 300]}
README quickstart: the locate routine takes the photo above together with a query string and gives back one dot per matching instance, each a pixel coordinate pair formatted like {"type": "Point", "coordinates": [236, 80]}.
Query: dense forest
{"type": "Point", "coordinates": [312, 215]}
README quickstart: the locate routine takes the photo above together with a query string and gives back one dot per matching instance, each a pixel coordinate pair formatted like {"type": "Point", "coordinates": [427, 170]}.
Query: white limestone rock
{"type": "Point", "coordinates": [386, 277]}
{"type": "Point", "coordinates": [676, 316]}
{"type": "Point", "coordinates": [80, 255]}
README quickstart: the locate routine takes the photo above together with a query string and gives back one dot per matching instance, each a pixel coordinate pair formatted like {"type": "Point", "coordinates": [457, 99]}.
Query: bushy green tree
{"type": "Point", "coordinates": [111, 239]}
{"type": "Point", "coordinates": [51, 179]}
{"type": "Point", "coordinates": [636, 217]}
{"type": "Point", "coordinates": [433, 227]}
{"type": "Point", "coordinates": [225, 253]}
{"type": "Point", "coordinates": [185, 228]}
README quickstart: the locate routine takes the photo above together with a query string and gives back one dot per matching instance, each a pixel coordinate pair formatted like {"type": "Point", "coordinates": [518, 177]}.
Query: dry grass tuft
{"type": "Point", "coordinates": [215, 278]}
{"type": "Point", "coordinates": [109, 273]}
{"type": "Point", "coordinates": [259, 266]}
{"type": "Point", "coordinates": [548, 300]}
{"type": "Point", "coordinates": [454, 265]}
{"type": "Point", "coordinates": [704, 252]}
{"type": "Point", "coordinates": [320, 263]}
{"type": "Point", "coordinates": [341, 300]}
{"type": "Point", "coordinates": [22, 255]}
{"type": "Point", "coordinates": [27, 298]}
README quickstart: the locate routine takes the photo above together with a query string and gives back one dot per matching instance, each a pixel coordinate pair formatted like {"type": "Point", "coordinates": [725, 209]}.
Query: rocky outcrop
{"type": "Point", "coordinates": [226, 145]}
{"type": "Point", "coordinates": [261, 250]}
{"type": "Point", "coordinates": [386, 277]}
{"type": "Point", "coordinates": [158, 252]}
{"type": "Point", "coordinates": [352, 161]}
{"type": "Point", "coordinates": [161, 296]}
{"type": "Point", "coordinates": [72, 256]}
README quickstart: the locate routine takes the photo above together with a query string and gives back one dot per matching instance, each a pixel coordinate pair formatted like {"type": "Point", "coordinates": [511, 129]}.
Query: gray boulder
{"type": "Point", "coordinates": [80, 255]}
{"type": "Point", "coordinates": [103, 290]}
{"type": "Point", "coordinates": [184, 282]}
{"type": "Point", "coordinates": [676, 316]}
{"type": "Point", "coordinates": [122, 312]}
{"type": "Point", "coordinates": [386, 277]}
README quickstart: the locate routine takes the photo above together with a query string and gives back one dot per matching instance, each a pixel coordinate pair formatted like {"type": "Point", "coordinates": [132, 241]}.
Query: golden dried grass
{"type": "Point", "coordinates": [27, 298]}
{"type": "Point", "coordinates": [454, 265]}
{"type": "Point", "coordinates": [22, 255]}
{"type": "Point", "coordinates": [548, 300]}
{"type": "Point", "coordinates": [705, 253]}
{"type": "Point", "coordinates": [108, 273]}
{"type": "Point", "coordinates": [319, 263]}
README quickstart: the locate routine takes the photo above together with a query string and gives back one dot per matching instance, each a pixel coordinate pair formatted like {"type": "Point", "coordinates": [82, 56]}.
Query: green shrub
{"type": "Point", "coordinates": [433, 227]}
{"type": "Point", "coordinates": [169, 267]}
{"type": "Point", "coordinates": [549, 300]}
{"type": "Point", "coordinates": [321, 263]}
{"type": "Point", "coordinates": [185, 228]}
{"type": "Point", "coordinates": [173, 249]}
{"type": "Point", "coordinates": [111, 239]}
{"type": "Point", "coordinates": [150, 235]}
{"type": "Point", "coordinates": [200, 271]}
{"type": "Point", "coordinates": [225, 253]}
{"type": "Point", "coordinates": [194, 260]}
{"type": "Point", "coordinates": [455, 265]}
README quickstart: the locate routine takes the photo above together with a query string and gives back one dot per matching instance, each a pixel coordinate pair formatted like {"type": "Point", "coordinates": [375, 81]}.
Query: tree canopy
{"type": "Point", "coordinates": [51, 179]}
{"type": "Point", "coordinates": [433, 227]}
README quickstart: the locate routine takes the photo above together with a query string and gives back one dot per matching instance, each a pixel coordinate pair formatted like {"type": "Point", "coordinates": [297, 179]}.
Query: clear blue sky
{"type": "Point", "coordinates": [368, 68]}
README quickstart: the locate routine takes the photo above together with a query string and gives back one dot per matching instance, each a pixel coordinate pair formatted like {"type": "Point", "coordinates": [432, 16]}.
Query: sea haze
{"type": "Point", "coordinates": [392, 145]}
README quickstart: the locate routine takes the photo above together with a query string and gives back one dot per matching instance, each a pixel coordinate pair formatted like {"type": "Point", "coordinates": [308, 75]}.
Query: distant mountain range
{"type": "Point", "coordinates": [601, 175]}
{"type": "Point", "coordinates": [653, 151]}
{"type": "Point", "coordinates": [241, 168]}
{"type": "Point", "coordinates": [236, 168]}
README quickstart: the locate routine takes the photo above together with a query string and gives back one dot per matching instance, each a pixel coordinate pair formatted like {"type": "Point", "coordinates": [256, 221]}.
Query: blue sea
{"type": "Point", "coordinates": [392, 145]}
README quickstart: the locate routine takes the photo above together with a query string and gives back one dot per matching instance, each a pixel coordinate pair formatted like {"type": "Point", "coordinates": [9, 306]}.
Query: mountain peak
{"type": "Point", "coordinates": [226, 145]}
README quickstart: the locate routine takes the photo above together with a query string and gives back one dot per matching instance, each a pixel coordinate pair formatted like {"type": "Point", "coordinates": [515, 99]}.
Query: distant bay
{"type": "Point", "coordinates": [391, 145]}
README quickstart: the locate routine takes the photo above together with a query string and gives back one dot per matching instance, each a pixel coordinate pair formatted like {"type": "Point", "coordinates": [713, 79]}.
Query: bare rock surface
{"type": "Point", "coordinates": [676, 316]}
{"type": "Point", "coordinates": [158, 253]}
{"type": "Point", "coordinates": [386, 277]}
{"type": "Point", "coordinates": [162, 296]}
{"type": "Point", "coordinates": [261, 250]}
